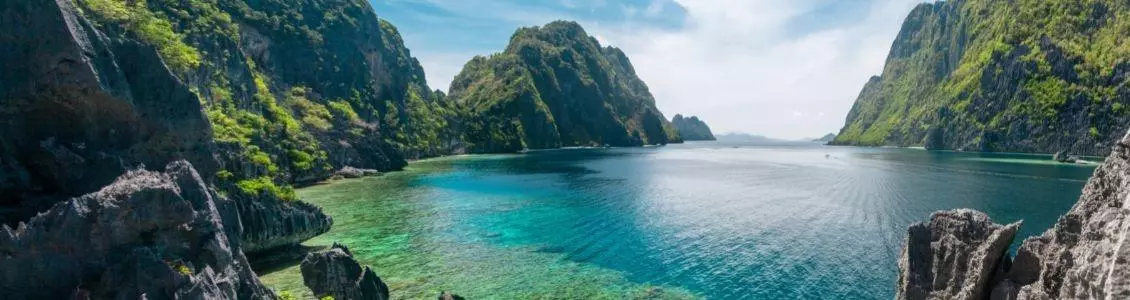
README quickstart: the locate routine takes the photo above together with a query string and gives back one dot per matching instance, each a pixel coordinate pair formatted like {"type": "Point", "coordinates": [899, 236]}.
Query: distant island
{"type": "Point", "coordinates": [746, 138]}
{"type": "Point", "coordinates": [692, 129]}
{"type": "Point", "coordinates": [825, 139]}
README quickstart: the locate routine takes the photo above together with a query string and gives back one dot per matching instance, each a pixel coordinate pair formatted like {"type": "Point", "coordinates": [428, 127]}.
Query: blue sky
{"type": "Point", "coordinates": [782, 68]}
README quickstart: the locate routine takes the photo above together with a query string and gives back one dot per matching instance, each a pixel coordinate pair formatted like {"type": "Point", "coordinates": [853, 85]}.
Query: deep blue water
{"type": "Point", "coordinates": [711, 220]}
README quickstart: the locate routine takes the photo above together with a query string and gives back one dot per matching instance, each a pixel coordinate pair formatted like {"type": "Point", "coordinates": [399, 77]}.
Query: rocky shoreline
{"type": "Point", "coordinates": [961, 254]}
{"type": "Point", "coordinates": [93, 208]}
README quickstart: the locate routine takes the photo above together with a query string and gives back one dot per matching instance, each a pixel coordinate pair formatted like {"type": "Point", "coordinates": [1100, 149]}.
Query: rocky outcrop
{"type": "Point", "coordinates": [1084, 256]}
{"type": "Point", "coordinates": [156, 235]}
{"type": "Point", "coordinates": [692, 129]}
{"type": "Point", "coordinates": [335, 273]}
{"type": "Point", "coordinates": [270, 223]}
{"type": "Point", "coordinates": [351, 172]}
{"type": "Point", "coordinates": [84, 101]}
{"type": "Point", "coordinates": [954, 256]}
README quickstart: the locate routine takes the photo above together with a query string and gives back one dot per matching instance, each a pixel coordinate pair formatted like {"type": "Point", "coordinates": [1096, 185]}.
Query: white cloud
{"type": "Point", "coordinates": [441, 67]}
{"type": "Point", "coordinates": [738, 66]}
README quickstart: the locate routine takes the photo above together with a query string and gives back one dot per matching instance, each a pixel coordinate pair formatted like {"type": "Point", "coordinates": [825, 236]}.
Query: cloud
{"type": "Point", "coordinates": [654, 9]}
{"type": "Point", "coordinates": [766, 67]}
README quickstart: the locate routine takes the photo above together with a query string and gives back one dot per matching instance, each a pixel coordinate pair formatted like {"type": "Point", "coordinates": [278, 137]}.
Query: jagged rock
{"type": "Point", "coordinates": [147, 235]}
{"type": "Point", "coordinates": [351, 172]}
{"type": "Point", "coordinates": [335, 273]}
{"type": "Point", "coordinates": [270, 223]}
{"type": "Point", "coordinates": [82, 103]}
{"type": "Point", "coordinates": [79, 108]}
{"type": "Point", "coordinates": [1085, 255]}
{"type": "Point", "coordinates": [445, 295]}
{"type": "Point", "coordinates": [954, 256]}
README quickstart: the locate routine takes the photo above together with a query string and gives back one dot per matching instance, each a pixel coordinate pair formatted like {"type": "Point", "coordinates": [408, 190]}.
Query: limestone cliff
{"type": "Point", "coordinates": [86, 99]}
{"type": "Point", "coordinates": [1009, 76]}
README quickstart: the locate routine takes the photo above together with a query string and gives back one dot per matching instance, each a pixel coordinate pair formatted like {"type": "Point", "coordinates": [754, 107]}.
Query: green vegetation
{"type": "Point", "coordinates": [296, 90]}
{"type": "Point", "coordinates": [286, 84]}
{"type": "Point", "coordinates": [147, 26]}
{"type": "Point", "coordinates": [181, 268]}
{"type": "Point", "coordinates": [556, 86]}
{"type": "Point", "coordinates": [258, 186]}
{"type": "Point", "coordinates": [1019, 76]}
{"type": "Point", "coordinates": [287, 295]}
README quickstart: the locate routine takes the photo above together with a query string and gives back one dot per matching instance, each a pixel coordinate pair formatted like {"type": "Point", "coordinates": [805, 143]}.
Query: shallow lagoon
{"type": "Point", "coordinates": [710, 220]}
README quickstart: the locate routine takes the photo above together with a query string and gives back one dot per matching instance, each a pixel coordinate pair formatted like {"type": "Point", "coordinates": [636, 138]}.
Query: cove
{"type": "Point", "coordinates": [700, 220]}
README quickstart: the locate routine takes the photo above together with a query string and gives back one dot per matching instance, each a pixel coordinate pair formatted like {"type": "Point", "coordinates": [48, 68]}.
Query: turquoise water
{"type": "Point", "coordinates": [699, 220]}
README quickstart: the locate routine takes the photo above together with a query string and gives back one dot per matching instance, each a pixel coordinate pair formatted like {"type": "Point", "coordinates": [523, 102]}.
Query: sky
{"type": "Point", "coordinates": [781, 68]}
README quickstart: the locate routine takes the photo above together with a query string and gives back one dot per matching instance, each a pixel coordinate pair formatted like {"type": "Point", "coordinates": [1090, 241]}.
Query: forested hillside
{"type": "Point", "coordinates": [557, 86]}
{"type": "Point", "coordinates": [1016, 76]}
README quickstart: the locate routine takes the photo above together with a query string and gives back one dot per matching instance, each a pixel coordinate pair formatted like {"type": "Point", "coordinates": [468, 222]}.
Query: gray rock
{"type": "Point", "coordinates": [156, 235]}
{"type": "Point", "coordinates": [954, 256]}
{"type": "Point", "coordinates": [80, 108]}
{"type": "Point", "coordinates": [270, 223]}
{"type": "Point", "coordinates": [1085, 254]}
{"type": "Point", "coordinates": [351, 172]}
{"type": "Point", "coordinates": [335, 273]}
{"type": "Point", "coordinates": [81, 105]}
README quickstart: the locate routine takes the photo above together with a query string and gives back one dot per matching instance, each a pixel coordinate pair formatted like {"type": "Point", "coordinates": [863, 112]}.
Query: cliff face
{"type": "Point", "coordinates": [1083, 256]}
{"type": "Point", "coordinates": [74, 115]}
{"type": "Point", "coordinates": [1016, 76]}
{"type": "Point", "coordinates": [692, 129]}
{"type": "Point", "coordinates": [96, 93]}
{"type": "Point", "coordinates": [556, 86]}
{"type": "Point", "coordinates": [95, 88]}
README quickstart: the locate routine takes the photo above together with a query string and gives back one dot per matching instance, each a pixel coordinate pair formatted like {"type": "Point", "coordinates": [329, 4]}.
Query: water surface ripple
{"type": "Point", "coordinates": [699, 220]}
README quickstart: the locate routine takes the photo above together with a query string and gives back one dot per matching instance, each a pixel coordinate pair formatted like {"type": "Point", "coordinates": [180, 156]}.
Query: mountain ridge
{"type": "Point", "coordinates": [1018, 76]}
